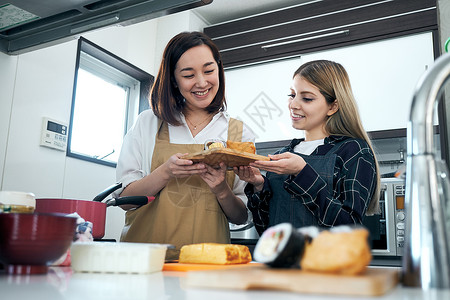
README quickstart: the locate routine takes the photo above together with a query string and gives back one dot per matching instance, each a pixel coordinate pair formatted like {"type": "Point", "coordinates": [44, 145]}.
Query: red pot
{"type": "Point", "coordinates": [93, 211]}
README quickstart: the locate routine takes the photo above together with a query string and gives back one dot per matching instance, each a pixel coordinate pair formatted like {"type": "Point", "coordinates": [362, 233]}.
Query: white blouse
{"type": "Point", "coordinates": [307, 147]}
{"type": "Point", "coordinates": [137, 148]}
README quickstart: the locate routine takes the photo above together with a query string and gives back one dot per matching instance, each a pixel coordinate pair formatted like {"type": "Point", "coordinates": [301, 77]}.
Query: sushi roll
{"type": "Point", "coordinates": [281, 246]}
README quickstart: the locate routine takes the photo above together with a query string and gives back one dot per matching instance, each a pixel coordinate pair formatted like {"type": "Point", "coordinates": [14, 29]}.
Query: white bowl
{"type": "Point", "coordinates": [110, 257]}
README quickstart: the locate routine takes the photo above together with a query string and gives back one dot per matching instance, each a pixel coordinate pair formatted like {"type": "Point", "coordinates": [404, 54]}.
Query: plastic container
{"type": "Point", "coordinates": [17, 202]}
{"type": "Point", "coordinates": [110, 257]}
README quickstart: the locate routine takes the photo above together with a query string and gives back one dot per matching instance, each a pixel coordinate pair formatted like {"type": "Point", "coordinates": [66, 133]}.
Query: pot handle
{"type": "Point", "coordinates": [135, 200]}
{"type": "Point", "coordinates": [100, 197]}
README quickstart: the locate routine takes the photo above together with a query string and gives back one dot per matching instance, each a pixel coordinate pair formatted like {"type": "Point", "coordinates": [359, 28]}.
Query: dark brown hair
{"type": "Point", "coordinates": [165, 98]}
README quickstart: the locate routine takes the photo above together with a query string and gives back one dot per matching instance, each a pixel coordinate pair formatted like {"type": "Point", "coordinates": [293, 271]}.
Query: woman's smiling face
{"type": "Point", "coordinates": [197, 77]}
{"type": "Point", "coordinates": [308, 108]}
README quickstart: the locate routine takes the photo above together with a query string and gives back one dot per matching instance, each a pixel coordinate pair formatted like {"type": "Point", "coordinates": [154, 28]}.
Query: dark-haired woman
{"type": "Point", "coordinates": [194, 202]}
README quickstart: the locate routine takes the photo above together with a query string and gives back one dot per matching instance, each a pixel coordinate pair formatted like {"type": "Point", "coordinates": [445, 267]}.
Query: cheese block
{"type": "Point", "coordinates": [212, 253]}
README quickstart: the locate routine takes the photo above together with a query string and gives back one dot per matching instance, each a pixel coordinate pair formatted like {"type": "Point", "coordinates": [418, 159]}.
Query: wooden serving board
{"type": "Point", "coordinates": [230, 157]}
{"type": "Point", "coordinates": [180, 267]}
{"type": "Point", "coordinates": [374, 282]}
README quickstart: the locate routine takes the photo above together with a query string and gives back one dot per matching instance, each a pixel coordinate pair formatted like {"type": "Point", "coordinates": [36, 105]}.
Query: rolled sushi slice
{"type": "Point", "coordinates": [280, 246]}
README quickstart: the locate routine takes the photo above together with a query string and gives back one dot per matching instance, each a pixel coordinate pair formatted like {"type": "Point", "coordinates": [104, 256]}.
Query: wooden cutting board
{"type": "Point", "coordinates": [180, 267]}
{"type": "Point", "coordinates": [230, 157]}
{"type": "Point", "coordinates": [374, 282]}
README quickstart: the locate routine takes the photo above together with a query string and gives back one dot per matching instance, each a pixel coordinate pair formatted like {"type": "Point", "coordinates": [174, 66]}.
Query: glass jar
{"type": "Point", "coordinates": [17, 202]}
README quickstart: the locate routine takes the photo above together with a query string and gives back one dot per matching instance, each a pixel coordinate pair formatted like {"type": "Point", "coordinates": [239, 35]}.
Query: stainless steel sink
{"type": "Point", "coordinates": [426, 260]}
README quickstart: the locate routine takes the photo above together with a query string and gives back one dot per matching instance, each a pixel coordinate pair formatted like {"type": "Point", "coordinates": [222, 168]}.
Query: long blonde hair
{"type": "Point", "coordinates": [333, 83]}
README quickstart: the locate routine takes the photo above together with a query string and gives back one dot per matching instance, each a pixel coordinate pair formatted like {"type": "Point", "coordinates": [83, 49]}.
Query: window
{"type": "Point", "coordinates": [108, 95]}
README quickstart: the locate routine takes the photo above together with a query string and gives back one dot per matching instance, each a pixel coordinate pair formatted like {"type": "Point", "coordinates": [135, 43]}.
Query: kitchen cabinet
{"type": "Point", "coordinates": [317, 26]}
{"type": "Point", "coordinates": [62, 283]}
{"type": "Point", "coordinates": [385, 46]}
{"type": "Point", "coordinates": [383, 75]}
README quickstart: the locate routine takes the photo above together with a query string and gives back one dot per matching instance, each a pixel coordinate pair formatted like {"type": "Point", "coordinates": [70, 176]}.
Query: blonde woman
{"type": "Point", "coordinates": [331, 176]}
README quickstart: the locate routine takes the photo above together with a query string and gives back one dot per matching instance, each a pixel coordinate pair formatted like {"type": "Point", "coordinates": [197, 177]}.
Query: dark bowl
{"type": "Point", "coordinates": [30, 242]}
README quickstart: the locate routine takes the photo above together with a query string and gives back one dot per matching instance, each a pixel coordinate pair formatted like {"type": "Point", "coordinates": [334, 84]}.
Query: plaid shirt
{"type": "Point", "coordinates": [354, 183]}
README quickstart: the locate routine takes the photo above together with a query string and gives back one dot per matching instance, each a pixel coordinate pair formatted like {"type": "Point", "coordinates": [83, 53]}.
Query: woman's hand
{"type": "Point", "coordinates": [251, 175]}
{"type": "Point", "coordinates": [232, 206]}
{"type": "Point", "coordinates": [177, 167]}
{"type": "Point", "coordinates": [284, 163]}
{"type": "Point", "coordinates": [154, 182]}
{"type": "Point", "coordinates": [216, 179]}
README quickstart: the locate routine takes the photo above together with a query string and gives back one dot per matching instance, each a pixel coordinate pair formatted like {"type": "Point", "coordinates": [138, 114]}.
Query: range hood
{"type": "Point", "coordinates": [27, 25]}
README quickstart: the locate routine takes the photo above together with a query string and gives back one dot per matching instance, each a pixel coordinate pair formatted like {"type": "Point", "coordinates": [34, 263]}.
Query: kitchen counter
{"type": "Point", "coordinates": [62, 283]}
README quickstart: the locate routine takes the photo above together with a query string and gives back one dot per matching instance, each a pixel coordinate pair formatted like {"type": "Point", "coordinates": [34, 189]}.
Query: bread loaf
{"type": "Point", "coordinates": [248, 147]}
{"type": "Point", "coordinates": [338, 252]}
{"type": "Point", "coordinates": [212, 253]}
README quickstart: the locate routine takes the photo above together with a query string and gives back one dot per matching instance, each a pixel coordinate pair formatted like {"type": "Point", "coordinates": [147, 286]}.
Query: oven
{"type": "Point", "coordinates": [387, 230]}
{"type": "Point", "coordinates": [245, 234]}
{"type": "Point", "coordinates": [246, 231]}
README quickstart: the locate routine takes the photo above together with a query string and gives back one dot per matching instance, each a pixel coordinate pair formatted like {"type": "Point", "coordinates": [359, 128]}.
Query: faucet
{"type": "Point", "coordinates": [426, 258]}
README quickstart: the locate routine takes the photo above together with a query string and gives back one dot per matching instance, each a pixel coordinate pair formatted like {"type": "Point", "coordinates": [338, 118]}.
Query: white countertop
{"type": "Point", "coordinates": [62, 283]}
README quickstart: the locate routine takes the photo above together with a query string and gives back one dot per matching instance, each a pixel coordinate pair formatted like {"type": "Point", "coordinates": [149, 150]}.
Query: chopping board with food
{"type": "Point", "coordinates": [306, 260]}
{"type": "Point", "coordinates": [233, 154]}
{"type": "Point", "coordinates": [184, 267]}
{"type": "Point", "coordinates": [373, 282]}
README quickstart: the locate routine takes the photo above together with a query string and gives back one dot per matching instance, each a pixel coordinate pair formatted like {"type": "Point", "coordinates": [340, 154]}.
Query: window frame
{"type": "Point", "coordinates": [146, 81]}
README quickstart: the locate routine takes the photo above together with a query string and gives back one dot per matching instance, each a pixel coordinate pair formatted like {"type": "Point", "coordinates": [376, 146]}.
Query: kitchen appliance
{"type": "Point", "coordinates": [54, 134]}
{"type": "Point", "coordinates": [93, 211]}
{"type": "Point", "coordinates": [28, 25]}
{"type": "Point", "coordinates": [426, 262]}
{"type": "Point", "coordinates": [387, 229]}
{"type": "Point", "coordinates": [244, 232]}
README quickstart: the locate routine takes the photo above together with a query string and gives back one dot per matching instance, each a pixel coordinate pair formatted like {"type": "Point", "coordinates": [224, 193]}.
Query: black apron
{"type": "Point", "coordinates": [286, 207]}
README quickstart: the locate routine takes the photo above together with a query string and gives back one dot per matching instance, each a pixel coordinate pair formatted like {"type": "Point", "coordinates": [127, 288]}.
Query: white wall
{"type": "Point", "coordinates": [7, 81]}
{"type": "Point", "coordinates": [39, 84]}
{"type": "Point", "coordinates": [382, 74]}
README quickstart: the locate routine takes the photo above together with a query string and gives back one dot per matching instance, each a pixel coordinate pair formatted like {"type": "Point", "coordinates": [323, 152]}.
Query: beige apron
{"type": "Point", "coordinates": [185, 211]}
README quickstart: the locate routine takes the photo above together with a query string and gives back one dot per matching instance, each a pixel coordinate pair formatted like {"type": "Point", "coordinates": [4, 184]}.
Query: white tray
{"type": "Point", "coordinates": [109, 257]}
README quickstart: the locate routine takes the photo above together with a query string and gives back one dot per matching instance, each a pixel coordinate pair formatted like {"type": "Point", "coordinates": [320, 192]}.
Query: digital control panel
{"type": "Point", "coordinates": [400, 217]}
{"type": "Point", "coordinates": [54, 134]}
